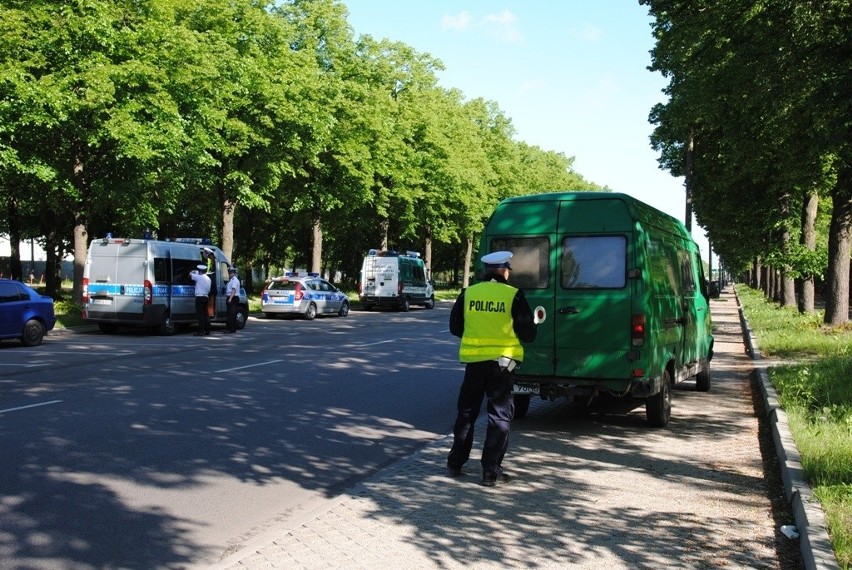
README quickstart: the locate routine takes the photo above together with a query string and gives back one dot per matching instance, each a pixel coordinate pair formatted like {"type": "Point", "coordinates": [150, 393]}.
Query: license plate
{"type": "Point", "coordinates": [102, 301]}
{"type": "Point", "coordinates": [520, 389]}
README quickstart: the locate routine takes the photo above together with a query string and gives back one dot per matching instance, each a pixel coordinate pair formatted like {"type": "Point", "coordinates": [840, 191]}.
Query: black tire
{"type": "Point", "coordinates": [344, 309]}
{"type": "Point", "coordinates": [658, 408]}
{"type": "Point", "coordinates": [430, 303]}
{"type": "Point", "coordinates": [242, 318]}
{"type": "Point", "coordinates": [404, 305]}
{"type": "Point", "coordinates": [311, 313]}
{"type": "Point", "coordinates": [108, 328]}
{"type": "Point", "coordinates": [702, 380]}
{"type": "Point", "coordinates": [167, 327]}
{"type": "Point", "coordinates": [522, 405]}
{"type": "Point", "coordinates": [33, 333]}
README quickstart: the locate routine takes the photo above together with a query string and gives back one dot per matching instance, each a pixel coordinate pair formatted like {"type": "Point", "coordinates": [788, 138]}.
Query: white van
{"type": "Point", "coordinates": [391, 279]}
{"type": "Point", "coordinates": [146, 283]}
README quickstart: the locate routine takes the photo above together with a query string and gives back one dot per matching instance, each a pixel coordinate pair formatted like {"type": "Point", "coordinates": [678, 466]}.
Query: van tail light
{"type": "Point", "coordinates": [399, 288]}
{"type": "Point", "coordinates": [85, 290]}
{"type": "Point", "coordinates": [298, 295]}
{"type": "Point", "coordinates": [637, 329]}
{"type": "Point", "coordinates": [147, 293]}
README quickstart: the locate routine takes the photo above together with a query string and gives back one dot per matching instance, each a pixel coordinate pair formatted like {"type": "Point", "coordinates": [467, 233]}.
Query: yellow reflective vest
{"type": "Point", "coordinates": [488, 331]}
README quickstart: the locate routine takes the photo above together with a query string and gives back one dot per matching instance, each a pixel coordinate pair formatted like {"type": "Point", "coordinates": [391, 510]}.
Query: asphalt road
{"type": "Point", "coordinates": [140, 451]}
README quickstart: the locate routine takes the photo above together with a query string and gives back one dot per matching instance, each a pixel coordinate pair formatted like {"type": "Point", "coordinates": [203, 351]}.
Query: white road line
{"type": "Point", "coordinates": [30, 406]}
{"type": "Point", "coordinates": [249, 366]}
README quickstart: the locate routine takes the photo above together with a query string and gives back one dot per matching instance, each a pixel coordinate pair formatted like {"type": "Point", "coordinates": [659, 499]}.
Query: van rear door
{"type": "Point", "coordinates": [591, 320]}
{"type": "Point", "coordinates": [528, 230]}
{"type": "Point", "coordinates": [116, 280]}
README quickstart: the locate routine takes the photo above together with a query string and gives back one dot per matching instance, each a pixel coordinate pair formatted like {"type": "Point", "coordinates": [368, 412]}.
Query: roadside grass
{"type": "Point", "coordinates": [814, 386]}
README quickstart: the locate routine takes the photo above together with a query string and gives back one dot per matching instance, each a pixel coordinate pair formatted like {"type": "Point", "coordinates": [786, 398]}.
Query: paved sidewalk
{"type": "Point", "coordinates": [591, 488]}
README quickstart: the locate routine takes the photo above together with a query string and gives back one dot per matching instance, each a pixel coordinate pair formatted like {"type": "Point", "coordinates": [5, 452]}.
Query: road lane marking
{"type": "Point", "coordinates": [249, 366]}
{"type": "Point", "coordinates": [30, 406]}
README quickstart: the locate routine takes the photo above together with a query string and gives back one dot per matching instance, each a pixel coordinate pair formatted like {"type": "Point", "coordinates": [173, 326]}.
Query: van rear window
{"type": "Point", "coordinates": [594, 262]}
{"type": "Point", "coordinates": [530, 261]}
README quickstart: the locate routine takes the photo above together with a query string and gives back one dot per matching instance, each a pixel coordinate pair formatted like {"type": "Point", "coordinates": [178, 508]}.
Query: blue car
{"type": "Point", "coordinates": [24, 313]}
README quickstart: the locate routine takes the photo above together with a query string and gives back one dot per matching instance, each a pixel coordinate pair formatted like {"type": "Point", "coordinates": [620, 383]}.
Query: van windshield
{"type": "Point", "coordinates": [594, 262]}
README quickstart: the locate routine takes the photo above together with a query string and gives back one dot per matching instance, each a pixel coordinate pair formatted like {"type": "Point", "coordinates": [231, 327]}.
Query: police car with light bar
{"type": "Point", "coordinates": [304, 294]}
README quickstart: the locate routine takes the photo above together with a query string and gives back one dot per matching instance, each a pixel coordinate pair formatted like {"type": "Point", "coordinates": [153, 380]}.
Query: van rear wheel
{"type": "Point", "coordinates": [167, 327]}
{"type": "Point", "coordinates": [404, 305]}
{"type": "Point", "coordinates": [658, 408]}
{"type": "Point", "coordinates": [702, 380]}
{"type": "Point", "coordinates": [522, 405]}
{"type": "Point", "coordinates": [241, 318]}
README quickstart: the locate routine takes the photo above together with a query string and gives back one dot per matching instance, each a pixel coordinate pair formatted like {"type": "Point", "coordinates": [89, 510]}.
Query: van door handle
{"type": "Point", "coordinates": [568, 311]}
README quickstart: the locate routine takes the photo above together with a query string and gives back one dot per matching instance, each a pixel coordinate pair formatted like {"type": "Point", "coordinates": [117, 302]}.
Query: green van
{"type": "Point", "coordinates": [620, 291]}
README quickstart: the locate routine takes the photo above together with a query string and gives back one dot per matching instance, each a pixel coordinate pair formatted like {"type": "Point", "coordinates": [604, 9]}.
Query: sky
{"type": "Point", "coordinates": [572, 75]}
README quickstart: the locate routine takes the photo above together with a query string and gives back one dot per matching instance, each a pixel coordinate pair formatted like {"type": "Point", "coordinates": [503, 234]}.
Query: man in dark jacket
{"type": "Point", "coordinates": [492, 318]}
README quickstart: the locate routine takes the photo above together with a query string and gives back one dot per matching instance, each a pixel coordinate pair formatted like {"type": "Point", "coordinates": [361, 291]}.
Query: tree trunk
{"type": "Point", "coordinates": [385, 224]}
{"type": "Point", "coordinates": [16, 269]}
{"type": "Point", "coordinates": [468, 254]}
{"type": "Point", "coordinates": [837, 275]}
{"type": "Point", "coordinates": [786, 283]}
{"type": "Point", "coordinates": [758, 274]}
{"type": "Point", "coordinates": [807, 239]}
{"type": "Point", "coordinates": [427, 254]}
{"type": "Point", "coordinates": [81, 245]}
{"type": "Point", "coordinates": [52, 282]}
{"type": "Point", "coordinates": [316, 245]}
{"type": "Point", "coordinates": [227, 246]}
{"type": "Point", "coordinates": [688, 182]}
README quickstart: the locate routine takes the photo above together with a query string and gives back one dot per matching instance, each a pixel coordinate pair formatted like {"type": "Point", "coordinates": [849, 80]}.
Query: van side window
{"type": "Point", "coordinates": [161, 270]}
{"type": "Point", "coordinates": [531, 261]}
{"type": "Point", "coordinates": [687, 274]}
{"type": "Point", "coordinates": [664, 270]}
{"type": "Point", "coordinates": [181, 269]}
{"type": "Point", "coordinates": [594, 262]}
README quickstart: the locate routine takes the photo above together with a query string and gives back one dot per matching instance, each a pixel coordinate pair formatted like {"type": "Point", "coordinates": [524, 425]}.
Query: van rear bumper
{"type": "Point", "coordinates": [551, 388]}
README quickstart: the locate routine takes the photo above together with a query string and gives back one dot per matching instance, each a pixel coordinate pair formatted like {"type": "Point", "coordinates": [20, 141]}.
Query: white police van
{"type": "Point", "coordinates": [391, 279]}
{"type": "Point", "coordinates": [138, 282]}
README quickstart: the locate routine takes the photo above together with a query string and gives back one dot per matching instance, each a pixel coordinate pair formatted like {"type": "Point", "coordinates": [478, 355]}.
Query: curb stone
{"type": "Point", "coordinates": [815, 546]}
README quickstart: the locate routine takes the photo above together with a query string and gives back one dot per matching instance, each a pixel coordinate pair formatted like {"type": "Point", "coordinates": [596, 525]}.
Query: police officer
{"type": "Point", "coordinates": [492, 318]}
{"type": "Point", "coordinates": [202, 295]}
{"type": "Point", "coordinates": [232, 298]}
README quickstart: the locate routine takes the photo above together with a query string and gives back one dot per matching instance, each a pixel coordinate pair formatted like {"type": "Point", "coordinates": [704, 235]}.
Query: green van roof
{"type": "Point", "coordinates": [533, 211]}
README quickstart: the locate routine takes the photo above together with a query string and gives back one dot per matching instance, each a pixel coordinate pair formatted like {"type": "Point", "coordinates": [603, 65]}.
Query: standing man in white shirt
{"type": "Point", "coordinates": [202, 296]}
{"type": "Point", "coordinates": [232, 298]}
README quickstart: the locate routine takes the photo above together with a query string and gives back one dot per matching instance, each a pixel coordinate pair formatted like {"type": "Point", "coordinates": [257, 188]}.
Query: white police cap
{"type": "Point", "coordinates": [201, 267]}
{"type": "Point", "coordinates": [497, 260]}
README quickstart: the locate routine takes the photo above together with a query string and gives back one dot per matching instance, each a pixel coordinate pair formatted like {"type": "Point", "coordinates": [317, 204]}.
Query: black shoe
{"type": "Point", "coordinates": [493, 481]}
{"type": "Point", "coordinates": [454, 471]}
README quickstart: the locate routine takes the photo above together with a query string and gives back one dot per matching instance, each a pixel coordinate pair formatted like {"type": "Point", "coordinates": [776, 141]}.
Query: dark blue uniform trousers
{"type": "Point", "coordinates": [483, 379]}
